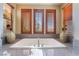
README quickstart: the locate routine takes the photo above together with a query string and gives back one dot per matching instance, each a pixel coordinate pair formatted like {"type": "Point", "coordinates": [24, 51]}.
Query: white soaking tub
{"type": "Point", "coordinates": [34, 46]}
{"type": "Point", "coordinates": [38, 43]}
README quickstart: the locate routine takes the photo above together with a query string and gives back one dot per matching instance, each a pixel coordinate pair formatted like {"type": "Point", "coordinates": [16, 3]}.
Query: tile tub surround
{"type": "Point", "coordinates": [21, 36]}
{"type": "Point", "coordinates": [38, 43]}
{"type": "Point", "coordinates": [36, 52]}
{"type": "Point", "coordinates": [46, 52]}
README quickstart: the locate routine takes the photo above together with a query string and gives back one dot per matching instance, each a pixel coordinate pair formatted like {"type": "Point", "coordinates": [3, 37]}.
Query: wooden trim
{"type": "Point", "coordinates": [37, 10]}
{"type": "Point", "coordinates": [22, 11]}
{"type": "Point", "coordinates": [10, 5]}
{"type": "Point", "coordinates": [51, 11]}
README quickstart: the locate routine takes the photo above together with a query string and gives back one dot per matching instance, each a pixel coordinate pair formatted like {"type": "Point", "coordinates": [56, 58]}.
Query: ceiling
{"type": "Point", "coordinates": [58, 4]}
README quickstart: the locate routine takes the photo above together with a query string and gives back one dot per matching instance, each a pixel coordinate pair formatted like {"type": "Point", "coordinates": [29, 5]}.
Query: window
{"type": "Point", "coordinates": [26, 20]}
{"type": "Point", "coordinates": [67, 18]}
{"type": "Point", "coordinates": [38, 20]}
{"type": "Point", "coordinates": [7, 14]}
{"type": "Point", "coordinates": [50, 21]}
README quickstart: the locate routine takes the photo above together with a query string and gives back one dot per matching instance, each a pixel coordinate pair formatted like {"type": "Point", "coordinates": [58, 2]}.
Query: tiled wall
{"type": "Point", "coordinates": [76, 27]}
{"type": "Point", "coordinates": [21, 36]}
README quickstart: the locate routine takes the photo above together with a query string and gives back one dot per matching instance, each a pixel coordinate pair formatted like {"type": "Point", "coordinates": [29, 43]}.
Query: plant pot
{"type": "Point", "coordinates": [10, 37]}
{"type": "Point", "coordinates": [62, 37]}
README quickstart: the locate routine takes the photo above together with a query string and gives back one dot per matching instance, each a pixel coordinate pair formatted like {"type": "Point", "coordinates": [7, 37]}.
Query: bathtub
{"type": "Point", "coordinates": [35, 46]}
{"type": "Point", "coordinates": [38, 43]}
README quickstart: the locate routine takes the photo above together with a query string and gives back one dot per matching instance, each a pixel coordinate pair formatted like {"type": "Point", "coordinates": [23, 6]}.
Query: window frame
{"type": "Point", "coordinates": [26, 10]}
{"type": "Point", "coordinates": [36, 10]}
{"type": "Point", "coordinates": [51, 11]}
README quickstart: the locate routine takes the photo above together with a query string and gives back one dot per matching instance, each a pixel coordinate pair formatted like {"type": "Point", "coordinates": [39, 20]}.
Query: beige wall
{"type": "Point", "coordinates": [37, 6]}
{"type": "Point", "coordinates": [61, 10]}
{"type": "Point", "coordinates": [14, 17]}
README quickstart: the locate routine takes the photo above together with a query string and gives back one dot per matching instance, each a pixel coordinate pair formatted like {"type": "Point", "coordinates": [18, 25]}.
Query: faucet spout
{"type": "Point", "coordinates": [38, 43]}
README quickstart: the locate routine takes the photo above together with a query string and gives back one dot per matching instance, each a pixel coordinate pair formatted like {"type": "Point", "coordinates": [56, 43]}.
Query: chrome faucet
{"type": "Point", "coordinates": [38, 43]}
